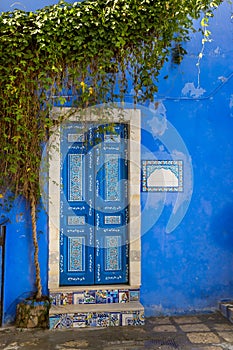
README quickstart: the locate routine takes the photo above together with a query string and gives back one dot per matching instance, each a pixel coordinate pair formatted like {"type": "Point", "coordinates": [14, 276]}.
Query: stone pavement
{"type": "Point", "coordinates": [208, 332]}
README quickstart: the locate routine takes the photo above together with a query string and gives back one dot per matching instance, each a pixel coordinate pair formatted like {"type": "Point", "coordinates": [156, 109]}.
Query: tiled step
{"type": "Point", "coordinates": [96, 315]}
{"type": "Point", "coordinates": [226, 309]}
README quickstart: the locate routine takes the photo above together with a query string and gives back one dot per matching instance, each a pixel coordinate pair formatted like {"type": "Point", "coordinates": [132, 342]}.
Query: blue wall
{"type": "Point", "coordinates": [19, 267]}
{"type": "Point", "coordinates": [187, 238]}
{"type": "Point", "coordinates": [191, 268]}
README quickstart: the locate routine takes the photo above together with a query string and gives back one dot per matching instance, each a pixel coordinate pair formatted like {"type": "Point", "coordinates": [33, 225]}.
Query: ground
{"type": "Point", "coordinates": [206, 332]}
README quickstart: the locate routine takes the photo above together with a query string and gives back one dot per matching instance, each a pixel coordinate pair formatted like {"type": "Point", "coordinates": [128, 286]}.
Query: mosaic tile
{"type": "Point", "coordinates": [78, 298]}
{"type": "Point", "coordinates": [112, 296]}
{"type": "Point", "coordinates": [115, 319]}
{"type": "Point", "coordinates": [55, 298]}
{"type": "Point", "coordinates": [75, 177]}
{"type": "Point", "coordinates": [61, 321]}
{"type": "Point", "coordinates": [103, 319]}
{"type": "Point", "coordinates": [112, 177]}
{"type": "Point", "coordinates": [133, 319]}
{"type": "Point", "coordinates": [91, 319]}
{"type": "Point", "coordinates": [134, 295]}
{"type": "Point", "coordinates": [162, 176]}
{"type": "Point", "coordinates": [54, 321]}
{"type": "Point", "coordinates": [66, 298]}
{"type": "Point", "coordinates": [75, 220]}
{"type": "Point", "coordinates": [67, 321]}
{"type": "Point", "coordinates": [80, 320]}
{"type": "Point", "coordinates": [112, 138]}
{"type": "Point", "coordinates": [76, 254]}
{"type": "Point", "coordinates": [89, 297]}
{"type": "Point", "coordinates": [123, 296]}
{"type": "Point", "coordinates": [75, 138]}
{"type": "Point", "coordinates": [112, 220]}
{"type": "Point", "coordinates": [113, 253]}
{"type": "Point", "coordinates": [138, 318]}
{"type": "Point", "coordinates": [101, 296]}
{"type": "Point", "coordinates": [127, 319]}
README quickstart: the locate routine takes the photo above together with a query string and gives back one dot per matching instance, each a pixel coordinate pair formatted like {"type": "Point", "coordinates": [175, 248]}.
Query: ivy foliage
{"type": "Point", "coordinates": [88, 49]}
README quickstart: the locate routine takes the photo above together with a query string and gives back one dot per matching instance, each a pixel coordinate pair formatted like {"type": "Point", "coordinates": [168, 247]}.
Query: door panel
{"type": "Point", "coordinates": [111, 213]}
{"type": "Point", "coordinates": [94, 213]}
{"type": "Point", "coordinates": [76, 216]}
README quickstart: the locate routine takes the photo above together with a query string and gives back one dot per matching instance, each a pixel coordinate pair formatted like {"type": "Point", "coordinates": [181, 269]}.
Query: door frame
{"type": "Point", "coordinates": [132, 117]}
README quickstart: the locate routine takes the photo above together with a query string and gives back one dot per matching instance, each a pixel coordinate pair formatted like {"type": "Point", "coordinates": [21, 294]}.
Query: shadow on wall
{"type": "Point", "coordinates": [222, 227]}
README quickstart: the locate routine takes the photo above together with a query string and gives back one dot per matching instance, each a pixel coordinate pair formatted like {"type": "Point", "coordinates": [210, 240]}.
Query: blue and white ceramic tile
{"type": "Point", "coordinates": [61, 321]}
{"type": "Point", "coordinates": [66, 298]}
{"type": "Point", "coordinates": [138, 318]}
{"type": "Point", "coordinates": [80, 320]}
{"type": "Point", "coordinates": [123, 296]}
{"type": "Point", "coordinates": [54, 321]}
{"type": "Point", "coordinates": [112, 296]}
{"type": "Point", "coordinates": [115, 319]}
{"type": "Point", "coordinates": [101, 296]}
{"type": "Point", "coordinates": [162, 175]}
{"type": "Point", "coordinates": [103, 320]}
{"type": "Point", "coordinates": [127, 319]}
{"type": "Point", "coordinates": [78, 298]}
{"type": "Point", "coordinates": [134, 295]}
{"type": "Point", "coordinates": [55, 298]}
{"type": "Point", "coordinates": [91, 319]}
{"type": "Point", "coordinates": [89, 297]}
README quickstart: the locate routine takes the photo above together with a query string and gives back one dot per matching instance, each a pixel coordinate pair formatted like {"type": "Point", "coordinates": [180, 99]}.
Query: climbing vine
{"type": "Point", "coordinates": [89, 50]}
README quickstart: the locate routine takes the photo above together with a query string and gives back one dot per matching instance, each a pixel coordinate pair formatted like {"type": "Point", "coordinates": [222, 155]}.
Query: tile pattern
{"type": "Point", "coordinates": [75, 177]}
{"type": "Point", "coordinates": [170, 173]}
{"type": "Point", "coordinates": [95, 319]}
{"type": "Point", "coordinates": [113, 253]}
{"type": "Point", "coordinates": [76, 220]}
{"type": "Point", "coordinates": [76, 257]}
{"type": "Point", "coordinates": [96, 296]}
{"type": "Point", "coordinates": [112, 177]}
{"type": "Point", "coordinates": [75, 138]}
{"type": "Point", "coordinates": [112, 220]}
{"type": "Point", "coordinates": [112, 138]}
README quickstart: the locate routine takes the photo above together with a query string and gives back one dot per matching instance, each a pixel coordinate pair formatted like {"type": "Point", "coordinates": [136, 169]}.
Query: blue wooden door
{"type": "Point", "coordinates": [94, 208]}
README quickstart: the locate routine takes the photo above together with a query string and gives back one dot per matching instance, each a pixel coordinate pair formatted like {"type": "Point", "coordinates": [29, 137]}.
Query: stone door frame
{"type": "Point", "coordinates": [131, 117]}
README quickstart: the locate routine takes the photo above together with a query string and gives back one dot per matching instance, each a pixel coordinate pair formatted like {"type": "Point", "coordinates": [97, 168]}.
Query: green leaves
{"type": "Point", "coordinates": [88, 50]}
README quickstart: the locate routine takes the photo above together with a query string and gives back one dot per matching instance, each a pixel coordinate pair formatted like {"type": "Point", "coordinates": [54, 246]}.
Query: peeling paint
{"type": "Point", "coordinates": [190, 90]}
{"type": "Point", "coordinates": [158, 123]}
{"type": "Point", "coordinates": [222, 79]}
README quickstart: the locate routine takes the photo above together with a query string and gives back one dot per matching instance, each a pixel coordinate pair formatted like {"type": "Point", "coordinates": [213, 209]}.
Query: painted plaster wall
{"type": "Point", "coordinates": [19, 268]}
{"type": "Point", "coordinates": [191, 267]}
{"type": "Point", "coordinates": [187, 237]}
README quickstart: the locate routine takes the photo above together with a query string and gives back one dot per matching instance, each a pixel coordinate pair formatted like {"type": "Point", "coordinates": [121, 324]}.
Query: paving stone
{"type": "Point", "coordinates": [160, 333]}
{"type": "Point", "coordinates": [125, 345]}
{"type": "Point", "coordinates": [165, 328]}
{"type": "Point", "coordinates": [160, 320]}
{"type": "Point", "coordinates": [12, 346]}
{"type": "Point", "coordinates": [75, 344]}
{"type": "Point", "coordinates": [212, 348]}
{"type": "Point", "coordinates": [186, 319]}
{"type": "Point", "coordinates": [208, 348]}
{"type": "Point", "coordinates": [196, 327]}
{"type": "Point", "coordinates": [223, 327]}
{"type": "Point", "coordinates": [228, 336]}
{"type": "Point", "coordinates": [203, 338]}
{"type": "Point", "coordinates": [226, 346]}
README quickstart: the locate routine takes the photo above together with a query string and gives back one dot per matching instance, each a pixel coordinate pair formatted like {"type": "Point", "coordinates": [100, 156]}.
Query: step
{"type": "Point", "coordinates": [96, 315]}
{"type": "Point", "coordinates": [226, 309]}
